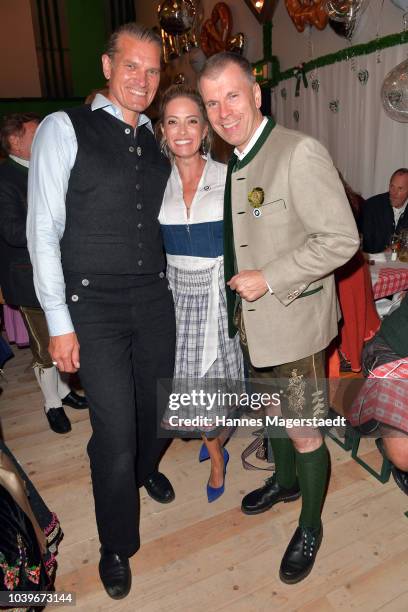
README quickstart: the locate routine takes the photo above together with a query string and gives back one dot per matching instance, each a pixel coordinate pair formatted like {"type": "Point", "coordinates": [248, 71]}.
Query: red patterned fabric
{"type": "Point", "coordinates": [384, 397]}
{"type": "Point", "coordinates": [390, 281]}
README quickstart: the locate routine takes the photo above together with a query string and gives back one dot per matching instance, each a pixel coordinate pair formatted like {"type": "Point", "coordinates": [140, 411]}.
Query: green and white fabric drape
{"type": "Point", "coordinates": [342, 108]}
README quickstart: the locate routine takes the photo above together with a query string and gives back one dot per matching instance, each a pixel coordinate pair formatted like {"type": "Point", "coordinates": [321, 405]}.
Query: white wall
{"type": "Point", "coordinates": [18, 58]}
{"type": "Point", "coordinates": [292, 47]}
{"type": "Point", "coordinates": [365, 144]}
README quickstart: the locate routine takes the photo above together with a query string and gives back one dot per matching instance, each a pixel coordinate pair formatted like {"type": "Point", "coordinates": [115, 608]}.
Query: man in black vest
{"type": "Point", "coordinates": [16, 274]}
{"type": "Point", "coordinates": [96, 184]}
{"type": "Point", "coordinates": [385, 214]}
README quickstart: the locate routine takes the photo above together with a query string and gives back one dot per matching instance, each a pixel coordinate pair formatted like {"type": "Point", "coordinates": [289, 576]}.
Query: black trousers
{"type": "Point", "coordinates": [126, 330]}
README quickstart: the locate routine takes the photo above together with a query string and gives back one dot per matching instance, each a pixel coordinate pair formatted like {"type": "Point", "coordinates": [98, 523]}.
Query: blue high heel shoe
{"type": "Point", "coordinates": [214, 493]}
{"type": "Point", "coordinates": [203, 454]}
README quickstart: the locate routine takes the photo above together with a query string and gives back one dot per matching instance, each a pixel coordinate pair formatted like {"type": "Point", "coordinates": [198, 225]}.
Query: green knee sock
{"type": "Point", "coordinates": [284, 457]}
{"type": "Point", "coordinates": [312, 469]}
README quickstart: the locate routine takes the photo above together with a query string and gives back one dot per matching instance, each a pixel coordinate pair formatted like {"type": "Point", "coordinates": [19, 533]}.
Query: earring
{"type": "Point", "coordinates": [204, 149]}
{"type": "Point", "coordinates": [164, 149]}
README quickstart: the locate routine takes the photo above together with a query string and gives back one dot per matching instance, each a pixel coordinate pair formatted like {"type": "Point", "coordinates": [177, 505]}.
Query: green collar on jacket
{"type": "Point", "coordinates": [257, 146]}
{"type": "Point", "coordinates": [229, 253]}
{"type": "Point", "coordinates": [16, 165]}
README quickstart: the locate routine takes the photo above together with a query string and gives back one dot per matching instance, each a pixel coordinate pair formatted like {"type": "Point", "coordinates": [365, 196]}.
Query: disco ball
{"type": "Point", "coordinates": [176, 16]}
{"type": "Point", "coordinates": [343, 10]}
{"type": "Point", "coordinates": [394, 93]}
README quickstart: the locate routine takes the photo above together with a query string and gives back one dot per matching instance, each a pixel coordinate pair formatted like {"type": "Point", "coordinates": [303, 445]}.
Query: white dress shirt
{"type": "Point", "coordinates": [251, 143]}
{"type": "Point", "coordinates": [53, 156]}
{"type": "Point", "coordinates": [398, 212]}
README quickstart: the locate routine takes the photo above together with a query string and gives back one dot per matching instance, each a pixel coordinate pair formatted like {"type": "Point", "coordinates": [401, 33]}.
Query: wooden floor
{"type": "Point", "coordinates": [197, 556]}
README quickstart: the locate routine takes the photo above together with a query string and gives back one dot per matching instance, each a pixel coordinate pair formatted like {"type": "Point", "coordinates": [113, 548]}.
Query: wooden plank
{"type": "Point", "coordinates": [198, 556]}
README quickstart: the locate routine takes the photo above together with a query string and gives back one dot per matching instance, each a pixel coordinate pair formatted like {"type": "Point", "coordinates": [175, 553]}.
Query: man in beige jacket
{"type": "Point", "coordinates": [287, 226]}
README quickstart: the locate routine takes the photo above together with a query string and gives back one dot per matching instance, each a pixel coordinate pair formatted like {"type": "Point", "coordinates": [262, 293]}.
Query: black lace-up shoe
{"type": "Point", "coordinates": [400, 477]}
{"type": "Point", "coordinates": [267, 496]}
{"type": "Point", "coordinates": [300, 555]}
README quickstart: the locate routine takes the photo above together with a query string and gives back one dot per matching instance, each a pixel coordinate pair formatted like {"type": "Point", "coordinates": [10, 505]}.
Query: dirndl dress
{"type": "Point", "coordinates": [30, 533]}
{"type": "Point", "coordinates": [209, 367]}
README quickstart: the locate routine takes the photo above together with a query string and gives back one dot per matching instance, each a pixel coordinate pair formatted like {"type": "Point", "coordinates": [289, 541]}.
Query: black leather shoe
{"type": "Point", "coordinates": [159, 488]}
{"type": "Point", "coordinates": [300, 555]}
{"type": "Point", "coordinates": [400, 477]}
{"type": "Point", "coordinates": [267, 496]}
{"type": "Point", "coordinates": [75, 401]}
{"type": "Point", "coordinates": [115, 574]}
{"type": "Point", "coordinates": [58, 420]}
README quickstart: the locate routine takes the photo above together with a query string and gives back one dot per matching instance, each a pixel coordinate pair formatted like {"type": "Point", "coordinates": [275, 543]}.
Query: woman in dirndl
{"type": "Point", "coordinates": [191, 219]}
{"type": "Point", "coordinates": [30, 533]}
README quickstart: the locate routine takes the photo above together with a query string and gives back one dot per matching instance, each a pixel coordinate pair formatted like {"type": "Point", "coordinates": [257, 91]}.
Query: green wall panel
{"type": "Point", "coordinates": [36, 105]}
{"type": "Point", "coordinates": [87, 38]}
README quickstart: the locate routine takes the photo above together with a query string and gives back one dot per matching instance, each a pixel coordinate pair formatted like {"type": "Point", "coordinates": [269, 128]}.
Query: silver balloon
{"type": "Point", "coordinates": [402, 4]}
{"type": "Point", "coordinates": [344, 10]}
{"type": "Point", "coordinates": [199, 13]}
{"type": "Point", "coordinates": [197, 59]}
{"type": "Point", "coordinates": [171, 47]}
{"type": "Point", "coordinates": [394, 93]}
{"type": "Point", "coordinates": [176, 16]}
{"type": "Point", "coordinates": [194, 34]}
{"type": "Point", "coordinates": [343, 28]}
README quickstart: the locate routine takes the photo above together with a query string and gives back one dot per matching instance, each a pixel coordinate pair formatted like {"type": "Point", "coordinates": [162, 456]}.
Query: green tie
{"type": "Point", "coordinates": [229, 255]}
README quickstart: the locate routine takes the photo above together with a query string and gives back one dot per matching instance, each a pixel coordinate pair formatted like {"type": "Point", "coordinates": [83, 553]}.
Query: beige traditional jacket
{"type": "Point", "coordinates": [303, 230]}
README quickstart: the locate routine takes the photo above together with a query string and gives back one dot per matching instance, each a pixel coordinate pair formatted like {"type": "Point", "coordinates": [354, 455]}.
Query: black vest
{"type": "Point", "coordinates": [114, 195]}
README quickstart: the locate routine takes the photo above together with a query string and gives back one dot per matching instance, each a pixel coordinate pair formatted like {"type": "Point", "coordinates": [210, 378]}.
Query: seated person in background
{"type": "Point", "coordinates": [385, 214]}
{"type": "Point", "coordinates": [390, 345]}
{"type": "Point", "coordinates": [16, 274]}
